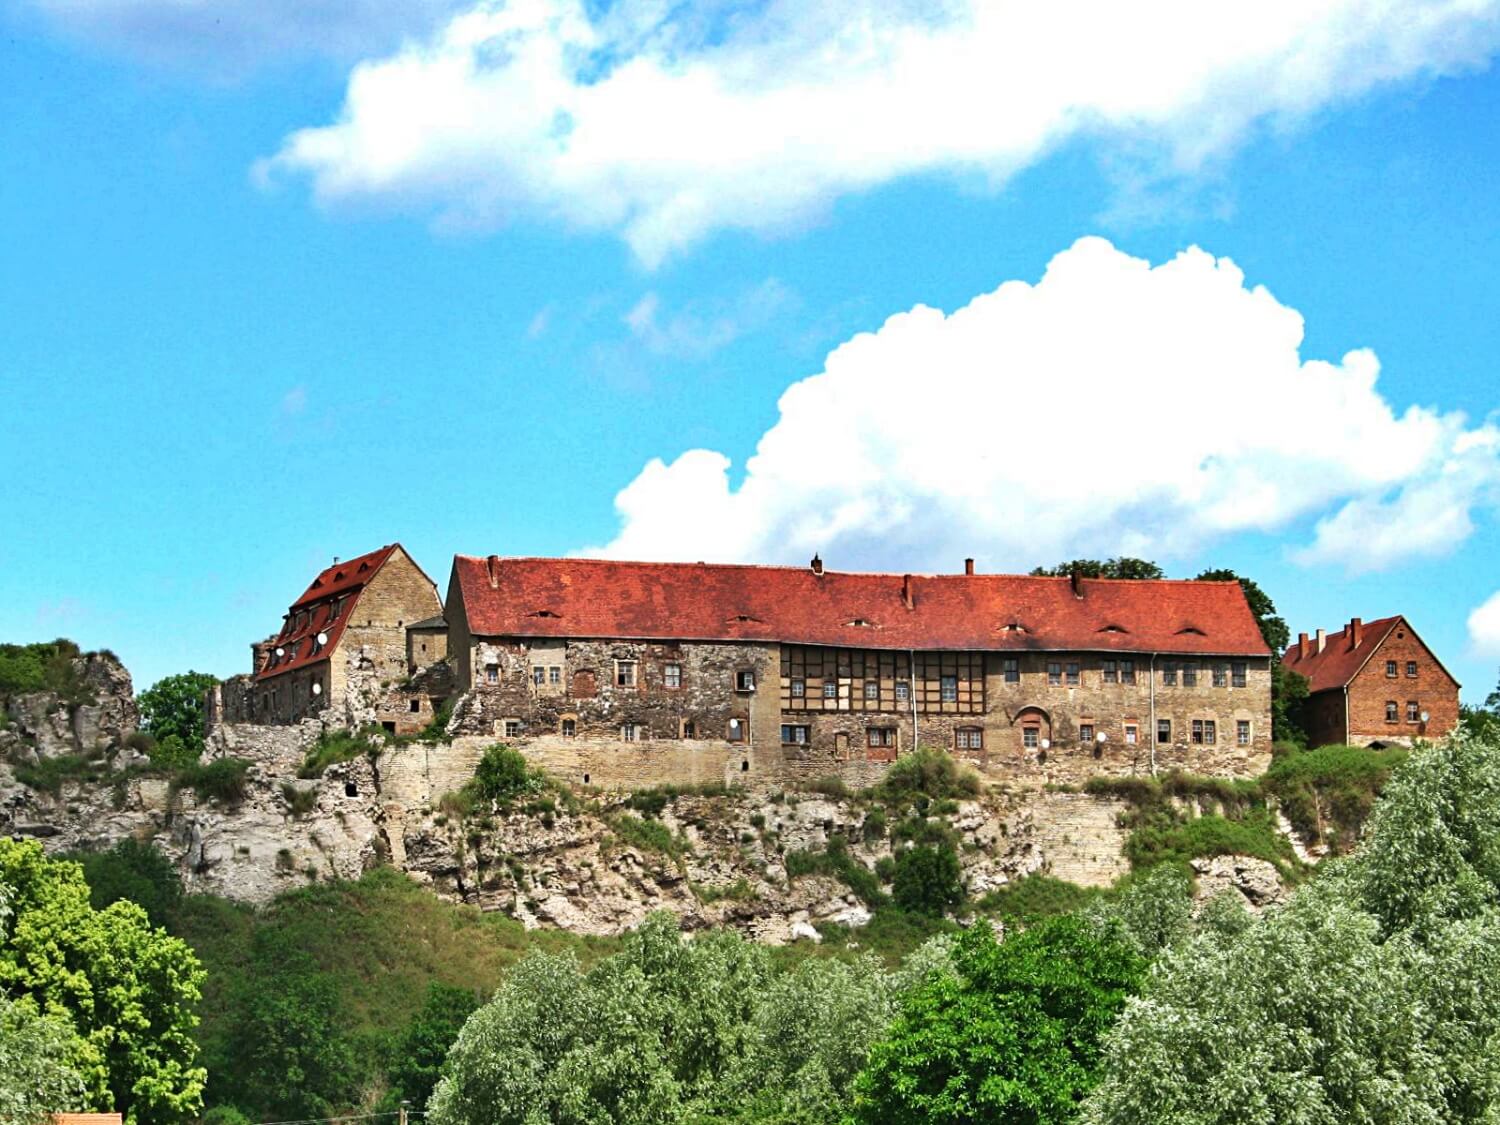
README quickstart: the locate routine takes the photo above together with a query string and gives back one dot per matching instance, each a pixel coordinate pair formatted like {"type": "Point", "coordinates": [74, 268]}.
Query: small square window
{"type": "Point", "coordinates": [1012, 670]}
{"type": "Point", "coordinates": [949, 687]}
{"type": "Point", "coordinates": [872, 691]}
{"type": "Point", "coordinates": [903, 692]}
{"type": "Point", "coordinates": [1073, 675]}
{"type": "Point", "coordinates": [1210, 732]}
{"type": "Point", "coordinates": [744, 680]}
{"type": "Point", "coordinates": [630, 732]}
{"type": "Point", "coordinates": [671, 675]}
{"type": "Point", "coordinates": [1163, 730]}
{"type": "Point", "coordinates": [1413, 712]}
{"type": "Point", "coordinates": [1132, 735]}
{"type": "Point", "coordinates": [554, 675]}
{"type": "Point", "coordinates": [736, 731]}
{"type": "Point", "coordinates": [1127, 671]}
{"type": "Point", "coordinates": [1237, 673]}
{"type": "Point", "coordinates": [1411, 669]}
{"type": "Point", "coordinates": [830, 689]}
{"type": "Point", "coordinates": [799, 688]}
{"type": "Point", "coordinates": [569, 728]}
{"type": "Point", "coordinates": [1221, 676]}
{"type": "Point", "coordinates": [795, 734]}
{"type": "Point", "coordinates": [1110, 674]}
{"type": "Point", "coordinates": [1085, 734]}
{"type": "Point", "coordinates": [1392, 711]}
{"type": "Point", "coordinates": [492, 673]}
{"type": "Point", "coordinates": [1390, 669]}
{"type": "Point", "coordinates": [1030, 737]}
{"type": "Point", "coordinates": [1198, 731]}
{"type": "Point", "coordinates": [969, 738]}
{"type": "Point", "coordinates": [539, 675]}
{"type": "Point", "coordinates": [1054, 674]}
{"type": "Point", "coordinates": [512, 728]}
{"type": "Point", "coordinates": [625, 673]}
{"type": "Point", "coordinates": [882, 738]}
{"type": "Point", "coordinates": [1242, 732]}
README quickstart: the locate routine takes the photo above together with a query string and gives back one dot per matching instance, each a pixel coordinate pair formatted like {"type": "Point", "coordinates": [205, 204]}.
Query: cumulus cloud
{"type": "Point", "coordinates": [1484, 627]}
{"type": "Point", "coordinates": [241, 34]}
{"type": "Point", "coordinates": [667, 122]}
{"type": "Point", "coordinates": [1111, 407]}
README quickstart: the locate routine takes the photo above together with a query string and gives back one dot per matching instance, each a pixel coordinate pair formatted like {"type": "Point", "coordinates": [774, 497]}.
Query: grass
{"type": "Point", "coordinates": [647, 835]}
{"type": "Point", "coordinates": [299, 802]}
{"type": "Point", "coordinates": [1037, 896]}
{"type": "Point", "coordinates": [1327, 793]}
{"type": "Point", "coordinates": [836, 862]}
{"type": "Point", "coordinates": [221, 780]}
{"type": "Point", "coordinates": [47, 775]}
{"type": "Point", "coordinates": [651, 802]}
{"type": "Point", "coordinates": [337, 746]}
{"type": "Point", "coordinates": [1172, 838]}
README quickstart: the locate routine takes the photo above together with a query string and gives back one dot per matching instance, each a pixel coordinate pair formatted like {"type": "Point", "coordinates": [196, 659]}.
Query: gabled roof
{"type": "Point", "coordinates": [324, 610]}
{"type": "Point", "coordinates": [1341, 659]}
{"type": "Point", "coordinates": [530, 597]}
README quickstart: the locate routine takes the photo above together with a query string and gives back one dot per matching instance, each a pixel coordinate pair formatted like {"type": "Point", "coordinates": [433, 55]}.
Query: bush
{"type": "Point", "coordinates": [928, 773]}
{"type": "Point", "coordinates": [1037, 896]}
{"type": "Point", "coordinates": [836, 862]}
{"type": "Point", "coordinates": [222, 779]}
{"type": "Point", "coordinates": [648, 835]}
{"type": "Point", "coordinates": [830, 786]}
{"type": "Point", "coordinates": [334, 746]}
{"type": "Point", "coordinates": [224, 1115]}
{"type": "Point", "coordinates": [502, 775]}
{"type": "Point", "coordinates": [1167, 839]}
{"type": "Point", "coordinates": [299, 802]}
{"type": "Point", "coordinates": [172, 752]}
{"type": "Point", "coordinates": [927, 880]}
{"type": "Point", "coordinates": [135, 872]}
{"type": "Point", "coordinates": [43, 667]}
{"type": "Point", "coordinates": [48, 774]}
{"type": "Point", "coordinates": [1328, 793]}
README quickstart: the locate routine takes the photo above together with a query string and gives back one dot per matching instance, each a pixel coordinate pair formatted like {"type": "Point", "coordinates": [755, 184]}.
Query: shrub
{"type": "Point", "coordinates": [927, 880]}
{"type": "Point", "coordinates": [135, 872]}
{"type": "Point", "coordinates": [836, 862]}
{"type": "Point", "coordinates": [875, 824]}
{"type": "Point", "coordinates": [43, 667]}
{"type": "Point", "coordinates": [929, 773]}
{"type": "Point", "coordinates": [222, 779]}
{"type": "Point", "coordinates": [648, 835]}
{"type": "Point", "coordinates": [48, 774]}
{"type": "Point", "coordinates": [171, 751]}
{"type": "Point", "coordinates": [1332, 787]}
{"type": "Point", "coordinates": [334, 746]}
{"type": "Point", "coordinates": [1037, 896]}
{"type": "Point", "coordinates": [502, 775]}
{"type": "Point", "coordinates": [830, 786]}
{"type": "Point", "coordinates": [141, 741]}
{"type": "Point", "coordinates": [1173, 840]}
{"type": "Point", "coordinates": [299, 802]}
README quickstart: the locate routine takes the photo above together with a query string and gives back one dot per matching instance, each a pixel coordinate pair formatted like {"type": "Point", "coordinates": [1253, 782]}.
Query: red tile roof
{"type": "Point", "coordinates": [317, 613]}
{"type": "Point", "coordinates": [696, 601]}
{"type": "Point", "coordinates": [1337, 664]}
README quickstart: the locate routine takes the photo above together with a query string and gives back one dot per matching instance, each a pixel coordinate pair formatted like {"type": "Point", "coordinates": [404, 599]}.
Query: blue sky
{"type": "Point", "coordinates": [252, 316]}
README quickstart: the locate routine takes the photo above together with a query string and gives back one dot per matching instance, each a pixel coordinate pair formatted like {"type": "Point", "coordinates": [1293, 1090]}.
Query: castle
{"type": "Point", "coordinates": [705, 671]}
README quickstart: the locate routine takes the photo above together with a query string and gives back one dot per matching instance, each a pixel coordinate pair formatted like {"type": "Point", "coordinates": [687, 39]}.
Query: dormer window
{"type": "Point", "coordinates": [858, 623]}
{"type": "Point", "coordinates": [1114, 629]}
{"type": "Point", "coordinates": [1015, 627]}
{"type": "Point", "coordinates": [1190, 630]}
{"type": "Point", "coordinates": [543, 613]}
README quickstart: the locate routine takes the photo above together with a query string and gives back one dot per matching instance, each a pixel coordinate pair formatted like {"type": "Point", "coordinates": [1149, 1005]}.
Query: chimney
{"type": "Point", "coordinates": [1322, 639]}
{"type": "Point", "coordinates": [1301, 646]}
{"type": "Point", "coordinates": [906, 596]}
{"type": "Point", "coordinates": [492, 565]}
{"type": "Point", "coordinates": [335, 560]}
{"type": "Point", "coordinates": [1076, 578]}
{"type": "Point", "coordinates": [968, 566]}
{"type": "Point", "coordinates": [1356, 633]}
{"type": "Point", "coordinates": [817, 565]}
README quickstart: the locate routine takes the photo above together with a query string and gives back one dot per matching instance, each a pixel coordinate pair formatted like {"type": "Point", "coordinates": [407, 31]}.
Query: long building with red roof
{"type": "Point", "coordinates": [1055, 676]}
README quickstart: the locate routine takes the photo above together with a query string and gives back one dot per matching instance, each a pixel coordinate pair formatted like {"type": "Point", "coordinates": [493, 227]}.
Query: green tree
{"type": "Point", "coordinates": [1013, 1035]}
{"type": "Point", "coordinates": [1482, 721]}
{"type": "Point", "coordinates": [172, 710]}
{"type": "Point", "coordinates": [35, 1076]}
{"type": "Point", "coordinates": [417, 1059]}
{"type": "Point", "coordinates": [126, 991]}
{"type": "Point", "coordinates": [927, 879]}
{"type": "Point", "coordinates": [135, 872]}
{"type": "Point", "coordinates": [1122, 567]}
{"type": "Point", "coordinates": [502, 775]}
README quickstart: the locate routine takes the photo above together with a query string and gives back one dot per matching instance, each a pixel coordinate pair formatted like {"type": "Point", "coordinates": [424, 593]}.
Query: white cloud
{"type": "Point", "coordinates": [667, 123]}
{"type": "Point", "coordinates": [1484, 627]}
{"type": "Point", "coordinates": [240, 34]}
{"type": "Point", "coordinates": [704, 327]}
{"type": "Point", "coordinates": [1111, 407]}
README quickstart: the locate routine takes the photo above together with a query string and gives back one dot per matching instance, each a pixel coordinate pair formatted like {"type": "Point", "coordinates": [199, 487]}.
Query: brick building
{"type": "Point", "coordinates": [341, 648]}
{"type": "Point", "coordinates": [779, 664]}
{"type": "Point", "coordinates": [1373, 683]}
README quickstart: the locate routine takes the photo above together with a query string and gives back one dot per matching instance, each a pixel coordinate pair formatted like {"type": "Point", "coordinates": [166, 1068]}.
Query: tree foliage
{"type": "Point", "coordinates": [417, 1058]}
{"type": "Point", "coordinates": [1011, 1035]}
{"type": "Point", "coordinates": [125, 991]}
{"type": "Point", "coordinates": [927, 879]}
{"type": "Point", "coordinates": [503, 775]}
{"type": "Point", "coordinates": [172, 710]}
{"type": "Point", "coordinates": [49, 666]}
{"type": "Point", "coordinates": [35, 1076]}
{"type": "Point", "coordinates": [136, 872]}
{"type": "Point", "coordinates": [1122, 567]}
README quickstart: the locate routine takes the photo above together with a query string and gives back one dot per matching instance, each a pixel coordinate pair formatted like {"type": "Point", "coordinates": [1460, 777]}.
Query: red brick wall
{"type": "Point", "coordinates": [1432, 689]}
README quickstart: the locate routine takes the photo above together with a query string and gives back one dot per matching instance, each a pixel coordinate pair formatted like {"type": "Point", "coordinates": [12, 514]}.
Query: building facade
{"type": "Point", "coordinates": [788, 667]}
{"type": "Point", "coordinates": [1374, 683]}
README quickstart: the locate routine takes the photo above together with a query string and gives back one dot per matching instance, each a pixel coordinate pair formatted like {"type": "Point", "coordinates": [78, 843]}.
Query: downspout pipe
{"type": "Point", "coordinates": [1151, 730]}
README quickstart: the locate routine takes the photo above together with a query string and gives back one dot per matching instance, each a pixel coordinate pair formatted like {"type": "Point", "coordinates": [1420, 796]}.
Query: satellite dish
{"type": "Point", "coordinates": [317, 689]}
{"type": "Point", "coordinates": [280, 651]}
{"type": "Point", "coordinates": [1102, 737]}
{"type": "Point", "coordinates": [1424, 716]}
{"type": "Point", "coordinates": [322, 638]}
{"type": "Point", "coordinates": [1046, 743]}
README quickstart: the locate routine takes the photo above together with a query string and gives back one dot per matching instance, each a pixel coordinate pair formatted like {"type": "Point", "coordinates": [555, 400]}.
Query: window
{"type": "Point", "coordinates": [630, 732]}
{"type": "Point", "coordinates": [799, 689]}
{"type": "Point", "coordinates": [881, 738]}
{"type": "Point", "coordinates": [795, 734]}
{"type": "Point", "coordinates": [1413, 712]}
{"type": "Point", "coordinates": [1242, 732]}
{"type": "Point", "coordinates": [492, 673]}
{"type": "Point", "coordinates": [949, 686]}
{"type": "Point", "coordinates": [1163, 730]}
{"type": "Point", "coordinates": [624, 673]}
{"type": "Point", "coordinates": [872, 691]}
{"type": "Point", "coordinates": [671, 675]}
{"type": "Point", "coordinates": [744, 680]}
{"type": "Point", "coordinates": [554, 675]}
{"type": "Point", "coordinates": [903, 692]}
{"type": "Point", "coordinates": [1169, 673]}
{"type": "Point", "coordinates": [1085, 734]}
{"type": "Point", "coordinates": [512, 728]}
{"type": "Point", "coordinates": [1012, 669]}
{"type": "Point", "coordinates": [1198, 731]}
{"type": "Point", "coordinates": [1190, 675]}
{"type": "Point", "coordinates": [1030, 737]}
{"type": "Point", "coordinates": [1237, 673]}
{"type": "Point", "coordinates": [1390, 669]}
{"type": "Point", "coordinates": [569, 728]}
{"type": "Point", "coordinates": [1110, 674]}
{"type": "Point", "coordinates": [1411, 669]}
{"type": "Point", "coordinates": [830, 689]}
{"type": "Point", "coordinates": [414, 705]}
{"type": "Point", "coordinates": [539, 675]}
{"type": "Point", "coordinates": [689, 729]}
{"type": "Point", "coordinates": [1210, 732]}
{"type": "Point", "coordinates": [1131, 734]}
{"type": "Point", "coordinates": [736, 730]}
{"type": "Point", "coordinates": [1391, 713]}
{"type": "Point", "coordinates": [1221, 676]}
{"type": "Point", "coordinates": [969, 738]}
{"type": "Point", "coordinates": [1127, 671]}
{"type": "Point", "coordinates": [1054, 674]}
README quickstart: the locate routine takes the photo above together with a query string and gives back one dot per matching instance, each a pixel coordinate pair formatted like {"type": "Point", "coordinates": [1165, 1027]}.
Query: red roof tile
{"type": "Point", "coordinates": [1337, 664]}
{"type": "Point", "coordinates": [696, 601]}
{"type": "Point", "coordinates": [314, 613]}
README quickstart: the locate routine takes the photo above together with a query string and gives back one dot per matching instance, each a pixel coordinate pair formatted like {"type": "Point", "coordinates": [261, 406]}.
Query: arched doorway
{"type": "Point", "coordinates": [1033, 731]}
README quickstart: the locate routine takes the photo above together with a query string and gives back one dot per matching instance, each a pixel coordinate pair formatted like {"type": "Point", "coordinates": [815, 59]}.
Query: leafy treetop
{"type": "Point", "coordinates": [1122, 567]}
{"type": "Point", "coordinates": [172, 710]}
